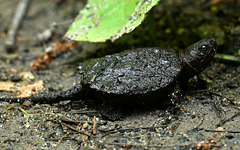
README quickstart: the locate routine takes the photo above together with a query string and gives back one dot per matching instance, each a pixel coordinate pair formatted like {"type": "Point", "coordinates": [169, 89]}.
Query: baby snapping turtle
{"type": "Point", "coordinates": [144, 74]}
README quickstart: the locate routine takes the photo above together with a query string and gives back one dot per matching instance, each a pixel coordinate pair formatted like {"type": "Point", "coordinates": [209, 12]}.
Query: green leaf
{"type": "Point", "coordinates": [102, 20]}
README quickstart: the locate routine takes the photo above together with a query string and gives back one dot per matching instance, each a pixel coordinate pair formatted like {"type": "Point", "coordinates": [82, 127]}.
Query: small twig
{"type": "Point", "coordinates": [129, 129]}
{"type": "Point", "coordinates": [236, 107]}
{"type": "Point", "coordinates": [227, 58]}
{"type": "Point", "coordinates": [229, 119]}
{"type": "Point", "coordinates": [94, 125]}
{"type": "Point", "coordinates": [230, 100]}
{"type": "Point", "coordinates": [140, 146]}
{"type": "Point", "coordinates": [23, 111]}
{"type": "Point", "coordinates": [208, 130]}
{"type": "Point", "coordinates": [200, 123]}
{"type": "Point", "coordinates": [70, 127]}
{"type": "Point", "coordinates": [197, 91]}
{"type": "Point", "coordinates": [83, 112]}
{"type": "Point", "coordinates": [61, 139]}
{"type": "Point", "coordinates": [73, 121]}
{"type": "Point", "coordinates": [22, 9]}
{"type": "Point", "coordinates": [219, 108]}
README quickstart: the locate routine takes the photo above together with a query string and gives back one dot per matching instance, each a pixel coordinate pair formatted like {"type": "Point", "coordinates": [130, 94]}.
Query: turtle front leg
{"type": "Point", "coordinates": [176, 95]}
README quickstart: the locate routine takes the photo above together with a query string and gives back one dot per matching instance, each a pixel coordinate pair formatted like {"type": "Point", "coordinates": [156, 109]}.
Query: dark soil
{"type": "Point", "coordinates": [209, 110]}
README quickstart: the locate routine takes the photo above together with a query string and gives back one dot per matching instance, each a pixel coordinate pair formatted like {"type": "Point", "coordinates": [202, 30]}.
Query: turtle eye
{"type": "Point", "coordinates": [204, 47]}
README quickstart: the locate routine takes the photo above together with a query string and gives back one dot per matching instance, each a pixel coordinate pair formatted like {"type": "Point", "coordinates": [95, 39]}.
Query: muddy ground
{"type": "Point", "coordinates": [208, 114]}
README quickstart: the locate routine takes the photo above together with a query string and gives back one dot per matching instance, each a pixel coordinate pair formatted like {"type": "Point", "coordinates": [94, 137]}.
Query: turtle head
{"type": "Point", "coordinates": [197, 56]}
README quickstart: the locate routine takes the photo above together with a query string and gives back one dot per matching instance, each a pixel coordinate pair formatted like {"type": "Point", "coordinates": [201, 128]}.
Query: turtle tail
{"type": "Point", "coordinates": [71, 94]}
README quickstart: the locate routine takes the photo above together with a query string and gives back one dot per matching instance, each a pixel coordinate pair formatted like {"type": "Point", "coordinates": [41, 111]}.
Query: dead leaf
{"type": "Point", "coordinates": [25, 89]}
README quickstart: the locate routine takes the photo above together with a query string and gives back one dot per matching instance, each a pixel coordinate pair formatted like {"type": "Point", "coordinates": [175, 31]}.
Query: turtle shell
{"type": "Point", "coordinates": [143, 71]}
